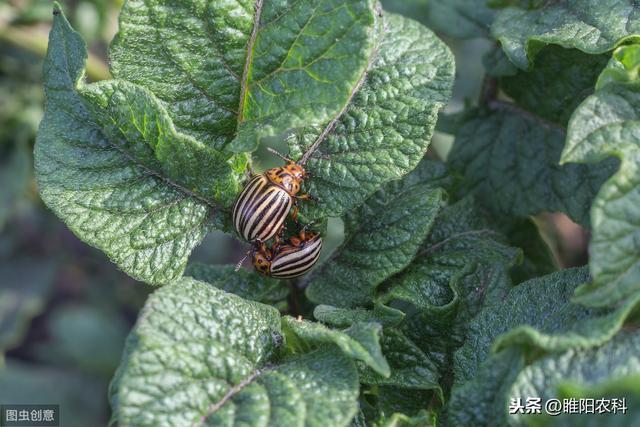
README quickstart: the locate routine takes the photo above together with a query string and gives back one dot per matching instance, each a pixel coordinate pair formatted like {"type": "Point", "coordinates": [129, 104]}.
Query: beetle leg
{"type": "Point", "coordinates": [306, 197]}
{"type": "Point", "coordinates": [276, 244]}
{"type": "Point", "coordinates": [294, 211]}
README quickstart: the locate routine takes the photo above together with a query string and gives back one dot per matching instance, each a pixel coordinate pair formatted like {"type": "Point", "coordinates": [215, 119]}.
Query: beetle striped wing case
{"type": "Point", "coordinates": [261, 209]}
{"type": "Point", "coordinates": [296, 261]}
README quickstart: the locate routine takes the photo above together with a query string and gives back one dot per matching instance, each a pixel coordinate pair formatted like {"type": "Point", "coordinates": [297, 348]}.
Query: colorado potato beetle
{"type": "Point", "coordinates": [263, 205]}
{"type": "Point", "coordinates": [291, 258]}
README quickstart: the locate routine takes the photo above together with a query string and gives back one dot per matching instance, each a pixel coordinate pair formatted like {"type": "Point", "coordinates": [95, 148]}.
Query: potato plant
{"type": "Point", "coordinates": [443, 305]}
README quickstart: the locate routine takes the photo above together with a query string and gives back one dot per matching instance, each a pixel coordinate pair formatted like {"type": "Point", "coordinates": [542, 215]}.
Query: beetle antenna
{"type": "Point", "coordinates": [239, 264]}
{"type": "Point", "coordinates": [272, 151]}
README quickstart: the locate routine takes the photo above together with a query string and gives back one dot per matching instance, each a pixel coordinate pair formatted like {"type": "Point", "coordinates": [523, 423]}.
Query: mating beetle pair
{"type": "Point", "coordinates": [259, 215]}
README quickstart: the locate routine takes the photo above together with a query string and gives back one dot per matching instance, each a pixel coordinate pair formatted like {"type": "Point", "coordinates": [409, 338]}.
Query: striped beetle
{"type": "Point", "coordinates": [264, 203]}
{"type": "Point", "coordinates": [288, 259]}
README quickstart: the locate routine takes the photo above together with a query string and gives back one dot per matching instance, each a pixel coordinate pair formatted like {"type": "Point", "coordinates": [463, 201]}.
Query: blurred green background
{"type": "Point", "coordinates": [65, 309]}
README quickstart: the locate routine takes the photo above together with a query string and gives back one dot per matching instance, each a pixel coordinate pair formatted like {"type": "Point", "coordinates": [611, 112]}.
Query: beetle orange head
{"type": "Point", "coordinates": [261, 262]}
{"type": "Point", "coordinates": [296, 171]}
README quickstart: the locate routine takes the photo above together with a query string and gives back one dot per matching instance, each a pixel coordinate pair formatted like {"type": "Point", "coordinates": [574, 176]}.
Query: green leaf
{"type": "Point", "coordinates": [107, 164]}
{"type": "Point", "coordinates": [462, 265]}
{"type": "Point", "coordinates": [623, 66]}
{"type": "Point", "coordinates": [133, 122]}
{"type": "Point", "coordinates": [382, 237]}
{"type": "Point", "coordinates": [343, 317]}
{"type": "Point", "coordinates": [361, 341]}
{"type": "Point", "coordinates": [497, 64]}
{"type": "Point", "coordinates": [458, 247]}
{"type": "Point", "coordinates": [483, 400]}
{"type": "Point", "coordinates": [191, 55]}
{"type": "Point", "coordinates": [463, 19]}
{"type": "Point", "coordinates": [260, 68]}
{"type": "Point", "coordinates": [422, 419]}
{"type": "Point", "coordinates": [627, 388]}
{"type": "Point", "coordinates": [561, 80]}
{"type": "Point", "coordinates": [592, 26]}
{"type": "Point", "coordinates": [307, 62]}
{"type": "Point", "coordinates": [510, 161]}
{"type": "Point", "coordinates": [615, 359]}
{"type": "Point", "coordinates": [24, 293]}
{"type": "Point", "coordinates": [244, 283]}
{"type": "Point", "coordinates": [15, 176]}
{"type": "Point", "coordinates": [387, 127]}
{"type": "Point", "coordinates": [538, 259]}
{"type": "Point", "coordinates": [217, 363]}
{"type": "Point", "coordinates": [606, 124]}
{"type": "Point", "coordinates": [401, 407]}
{"type": "Point", "coordinates": [410, 367]}
{"type": "Point", "coordinates": [538, 315]}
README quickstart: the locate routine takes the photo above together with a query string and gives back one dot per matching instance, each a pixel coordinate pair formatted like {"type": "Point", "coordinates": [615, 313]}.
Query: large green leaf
{"type": "Point", "coordinates": [259, 67]}
{"type": "Point", "coordinates": [484, 400]}
{"type": "Point", "coordinates": [561, 80]}
{"type": "Point", "coordinates": [343, 317]}
{"type": "Point", "coordinates": [623, 67]}
{"type": "Point", "coordinates": [409, 367]}
{"type": "Point", "coordinates": [191, 55]}
{"type": "Point", "coordinates": [111, 165]}
{"type": "Point", "coordinates": [625, 388]}
{"type": "Point", "coordinates": [382, 237]}
{"type": "Point", "coordinates": [387, 127]}
{"type": "Point", "coordinates": [421, 419]}
{"type": "Point", "coordinates": [463, 265]}
{"type": "Point", "coordinates": [460, 245]}
{"type": "Point", "coordinates": [606, 124]}
{"type": "Point", "coordinates": [618, 358]}
{"type": "Point", "coordinates": [538, 259]}
{"type": "Point", "coordinates": [201, 356]}
{"type": "Point", "coordinates": [538, 315]}
{"type": "Point", "coordinates": [361, 341]}
{"type": "Point", "coordinates": [510, 160]}
{"type": "Point", "coordinates": [308, 61]}
{"type": "Point", "coordinates": [133, 122]}
{"type": "Point", "coordinates": [401, 407]}
{"type": "Point", "coordinates": [592, 26]}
